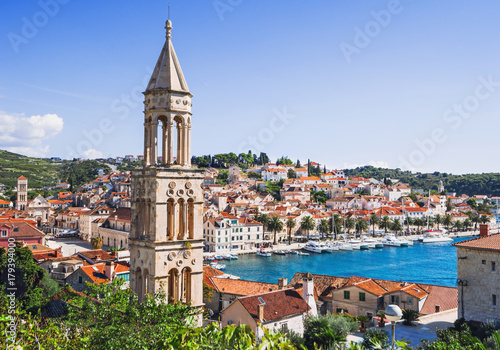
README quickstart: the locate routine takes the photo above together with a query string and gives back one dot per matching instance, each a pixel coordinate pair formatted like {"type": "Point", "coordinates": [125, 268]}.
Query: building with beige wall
{"type": "Point", "coordinates": [280, 310]}
{"type": "Point", "coordinates": [478, 278]}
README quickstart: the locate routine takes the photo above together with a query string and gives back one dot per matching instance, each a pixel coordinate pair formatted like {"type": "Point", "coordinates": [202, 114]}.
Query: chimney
{"type": "Point", "coordinates": [308, 293]}
{"type": "Point", "coordinates": [109, 270]}
{"type": "Point", "coordinates": [484, 230]}
{"type": "Point", "coordinates": [261, 312]}
{"type": "Point", "coordinates": [438, 308]}
{"type": "Point", "coordinates": [282, 282]}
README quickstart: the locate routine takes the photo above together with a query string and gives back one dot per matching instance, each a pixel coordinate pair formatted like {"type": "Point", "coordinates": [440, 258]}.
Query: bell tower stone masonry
{"type": "Point", "coordinates": [166, 238]}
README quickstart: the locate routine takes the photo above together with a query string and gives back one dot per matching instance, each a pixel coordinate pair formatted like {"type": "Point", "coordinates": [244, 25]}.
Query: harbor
{"type": "Point", "coordinates": [433, 263]}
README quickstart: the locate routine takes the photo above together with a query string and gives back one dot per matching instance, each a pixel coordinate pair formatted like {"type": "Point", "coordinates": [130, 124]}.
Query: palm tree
{"type": "Point", "coordinates": [307, 224]}
{"type": "Point", "coordinates": [385, 223]}
{"type": "Point", "coordinates": [96, 242]}
{"type": "Point", "coordinates": [476, 220]}
{"type": "Point", "coordinates": [361, 225]}
{"type": "Point", "coordinates": [418, 222]}
{"type": "Point", "coordinates": [447, 221]}
{"type": "Point", "coordinates": [349, 224]}
{"type": "Point", "coordinates": [484, 219]}
{"type": "Point", "coordinates": [323, 227]}
{"type": "Point", "coordinates": [275, 225]}
{"type": "Point", "coordinates": [410, 222]}
{"type": "Point", "coordinates": [374, 220]}
{"type": "Point", "coordinates": [439, 220]}
{"type": "Point", "coordinates": [337, 224]}
{"type": "Point", "coordinates": [457, 225]}
{"type": "Point", "coordinates": [290, 224]}
{"type": "Point", "coordinates": [396, 225]}
{"type": "Point", "coordinates": [432, 221]}
{"type": "Point", "coordinates": [263, 219]}
{"type": "Point", "coordinates": [467, 223]}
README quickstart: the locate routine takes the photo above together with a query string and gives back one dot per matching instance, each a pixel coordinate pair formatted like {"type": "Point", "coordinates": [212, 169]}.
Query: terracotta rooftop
{"type": "Point", "coordinates": [491, 242]}
{"type": "Point", "coordinates": [242, 287]}
{"type": "Point", "coordinates": [96, 255]}
{"type": "Point", "coordinates": [22, 229]}
{"type": "Point", "coordinates": [96, 272]}
{"type": "Point", "coordinates": [445, 297]}
{"type": "Point", "coordinates": [208, 273]}
{"type": "Point", "coordinates": [277, 305]}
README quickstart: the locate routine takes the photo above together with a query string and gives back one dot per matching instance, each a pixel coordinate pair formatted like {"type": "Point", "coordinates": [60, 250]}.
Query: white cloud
{"type": "Point", "coordinates": [375, 163]}
{"type": "Point", "coordinates": [379, 164]}
{"type": "Point", "coordinates": [26, 135]}
{"type": "Point", "coordinates": [92, 154]}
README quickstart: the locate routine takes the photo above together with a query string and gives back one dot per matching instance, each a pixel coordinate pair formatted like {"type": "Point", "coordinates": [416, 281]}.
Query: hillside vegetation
{"type": "Point", "coordinates": [469, 184]}
{"type": "Point", "coordinates": [40, 171]}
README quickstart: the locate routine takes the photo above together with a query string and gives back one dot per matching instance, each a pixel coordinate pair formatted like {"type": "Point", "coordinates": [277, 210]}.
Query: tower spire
{"type": "Point", "coordinates": [168, 27]}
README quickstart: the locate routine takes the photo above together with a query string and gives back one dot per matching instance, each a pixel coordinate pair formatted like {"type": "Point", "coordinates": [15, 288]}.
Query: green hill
{"type": "Point", "coordinates": [469, 184]}
{"type": "Point", "coordinates": [40, 171]}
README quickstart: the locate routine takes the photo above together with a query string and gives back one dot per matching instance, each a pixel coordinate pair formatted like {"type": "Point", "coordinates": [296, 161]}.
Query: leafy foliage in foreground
{"type": "Point", "coordinates": [33, 285]}
{"type": "Point", "coordinates": [112, 318]}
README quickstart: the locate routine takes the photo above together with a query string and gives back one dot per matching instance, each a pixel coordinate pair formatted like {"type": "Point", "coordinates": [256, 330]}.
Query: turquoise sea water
{"type": "Point", "coordinates": [432, 263]}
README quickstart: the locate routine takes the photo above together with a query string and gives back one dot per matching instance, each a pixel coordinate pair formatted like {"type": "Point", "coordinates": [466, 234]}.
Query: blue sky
{"type": "Point", "coordinates": [406, 84]}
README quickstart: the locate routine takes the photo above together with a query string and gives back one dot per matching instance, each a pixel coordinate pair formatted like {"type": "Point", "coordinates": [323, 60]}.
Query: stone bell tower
{"type": "Point", "coordinates": [166, 238]}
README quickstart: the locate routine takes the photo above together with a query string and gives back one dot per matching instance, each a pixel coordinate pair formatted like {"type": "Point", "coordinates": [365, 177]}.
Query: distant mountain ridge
{"type": "Point", "coordinates": [469, 184]}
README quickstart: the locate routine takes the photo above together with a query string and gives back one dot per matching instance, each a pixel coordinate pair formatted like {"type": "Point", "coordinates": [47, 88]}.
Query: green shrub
{"type": "Point", "coordinates": [377, 334]}
{"type": "Point", "coordinates": [409, 316]}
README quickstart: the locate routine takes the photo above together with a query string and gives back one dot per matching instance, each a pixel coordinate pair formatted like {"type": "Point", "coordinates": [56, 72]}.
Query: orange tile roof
{"type": "Point", "coordinates": [445, 297]}
{"type": "Point", "coordinates": [371, 287]}
{"type": "Point", "coordinates": [491, 242]}
{"type": "Point", "coordinates": [208, 273]}
{"type": "Point", "coordinates": [22, 178]}
{"type": "Point", "coordinates": [278, 304]}
{"type": "Point", "coordinates": [242, 287]}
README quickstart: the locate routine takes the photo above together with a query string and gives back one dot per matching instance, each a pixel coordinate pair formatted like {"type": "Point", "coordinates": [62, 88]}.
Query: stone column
{"type": "Point", "coordinates": [147, 161]}
{"type": "Point", "coordinates": [185, 144]}
{"type": "Point", "coordinates": [179, 143]}
{"type": "Point", "coordinates": [154, 142]}
{"type": "Point", "coordinates": [188, 145]}
{"type": "Point", "coordinates": [164, 143]}
{"type": "Point", "coordinates": [170, 139]}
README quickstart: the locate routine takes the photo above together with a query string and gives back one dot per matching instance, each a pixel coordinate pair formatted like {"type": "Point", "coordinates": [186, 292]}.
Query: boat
{"type": "Point", "coordinates": [435, 237]}
{"type": "Point", "coordinates": [325, 248]}
{"type": "Point", "coordinates": [232, 257]}
{"type": "Point", "coordinates": [314, 247]}
{"type": "Point", "coordinates": [346, 246]}
{"type": "Point", "coordinates": [334, 246]}
{"type": "Point", "coordinates": [303, 253]}
{"type": "Point", "coordinates": [372, 243]}
{"type": "Point", "coordinates": [293, 252]}
{"type": "Point", "coordinates": [279, 252]}
{"type": "Point", "coordinates": [262, 252]}
{"type": "Point", "coordinates": [392, 241]}
{"type": "Point", "coordinates": [408, 241]}
{"type": "Point", "coordinates": [218, 266]}
{"type": "Point", "coordinates": [357, 244]}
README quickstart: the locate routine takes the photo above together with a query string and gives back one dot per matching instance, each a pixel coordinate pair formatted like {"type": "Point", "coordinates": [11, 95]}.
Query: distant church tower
{"type": "Point", "coordinates": [166, 238]}
{"type": "Point", "coordinates": [441, 186]}
{"type": "Point", "coordinates": [22, 193]}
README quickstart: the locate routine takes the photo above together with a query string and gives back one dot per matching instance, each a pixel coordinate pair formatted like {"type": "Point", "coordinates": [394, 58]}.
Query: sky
{"type": "Point", "coordinates": [401, 84]}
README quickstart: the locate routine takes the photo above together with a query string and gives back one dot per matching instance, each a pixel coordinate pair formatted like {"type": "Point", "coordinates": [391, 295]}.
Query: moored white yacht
{"type": "Point", "coordinates": [314, 247]}
{"type": "Point", "coordinates": [392, 241]}
{"type": "Point", "coordinates": [435, 237]}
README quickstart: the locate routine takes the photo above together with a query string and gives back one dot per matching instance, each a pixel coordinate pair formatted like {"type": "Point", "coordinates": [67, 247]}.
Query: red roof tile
{"type": "Point", "coordinates": [491, 242]}
{"type": "Point", "coordinates": [278, 304]}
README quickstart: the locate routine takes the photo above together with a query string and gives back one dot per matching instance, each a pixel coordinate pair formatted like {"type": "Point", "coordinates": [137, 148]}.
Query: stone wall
{"type": "Point", "coordinates": [474, 267]}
